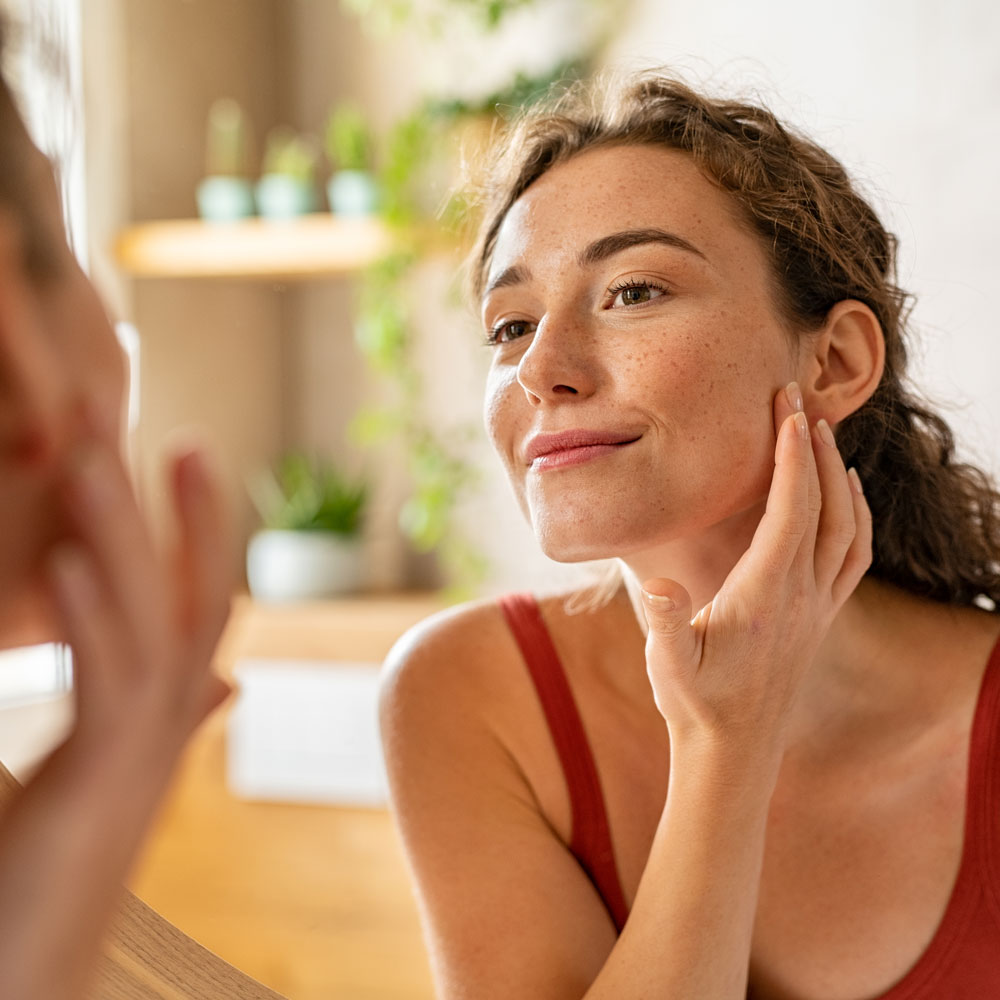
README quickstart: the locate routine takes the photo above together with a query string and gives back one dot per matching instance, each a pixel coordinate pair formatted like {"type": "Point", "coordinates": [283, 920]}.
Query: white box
{"type": "Point", "coordinates": [306, 731]}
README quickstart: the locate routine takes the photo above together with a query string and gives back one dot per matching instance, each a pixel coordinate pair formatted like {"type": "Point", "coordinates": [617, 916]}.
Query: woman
{"type": "Point", "coordinates": [695, 333]}
{"type": "Point", "coordinates": [77, 564]}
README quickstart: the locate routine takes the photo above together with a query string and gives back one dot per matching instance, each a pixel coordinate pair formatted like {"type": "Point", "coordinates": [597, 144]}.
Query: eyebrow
{"type": "Point", "coordinates": [607, 246]}
{"type": "Point", "coordinates": [601, 249]}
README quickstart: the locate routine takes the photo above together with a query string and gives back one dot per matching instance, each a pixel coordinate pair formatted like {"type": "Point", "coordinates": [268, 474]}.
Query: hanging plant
{"type": "Point", "coordinates": [410, 173]}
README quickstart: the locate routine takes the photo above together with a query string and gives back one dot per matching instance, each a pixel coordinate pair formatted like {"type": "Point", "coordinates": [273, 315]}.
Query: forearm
{"type": "Point", "coordinates": [689, 932]}
{"type": "Point", "coordinates": [66, 845]}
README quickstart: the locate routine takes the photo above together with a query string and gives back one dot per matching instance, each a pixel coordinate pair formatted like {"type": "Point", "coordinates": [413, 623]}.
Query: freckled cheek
{"type": "Point", "coordinates": [500, 413]}
{"type": "Point", "coordinates": [676, 380]}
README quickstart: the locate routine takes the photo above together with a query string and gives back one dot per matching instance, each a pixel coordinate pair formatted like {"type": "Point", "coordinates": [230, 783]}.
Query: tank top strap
{"type": "Point", "coordinates": [590, 842]}
{"type": "Point", "coordinates": [983, 815]}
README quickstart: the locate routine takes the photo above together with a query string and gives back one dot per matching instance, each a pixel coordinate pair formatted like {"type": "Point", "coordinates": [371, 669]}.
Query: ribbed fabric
{"type": "Point", "coordinates": [590, 841]}
{"type": "Point", "coordinates": [962, 962]}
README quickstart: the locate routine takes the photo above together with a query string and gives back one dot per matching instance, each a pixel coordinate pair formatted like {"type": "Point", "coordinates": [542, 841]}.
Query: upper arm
{"type": "Point", "coordinates": [507, 909]}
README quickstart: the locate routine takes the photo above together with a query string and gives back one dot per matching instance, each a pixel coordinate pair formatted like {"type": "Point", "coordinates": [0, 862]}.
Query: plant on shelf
{"type": "Point", "coordinates": [226, 193]}
{"type": "Point", "coordinates": [287, 186]}
{"type": "Point", "coordinates": [351, 190]}
{"type": "Point", "coordinates": [310, 543]}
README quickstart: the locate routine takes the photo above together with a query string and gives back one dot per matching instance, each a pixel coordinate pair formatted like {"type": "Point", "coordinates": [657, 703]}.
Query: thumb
{"type": "Point", "coordinates": [671, 636]}
{"type": "Point", "coordinates": [216, 692]}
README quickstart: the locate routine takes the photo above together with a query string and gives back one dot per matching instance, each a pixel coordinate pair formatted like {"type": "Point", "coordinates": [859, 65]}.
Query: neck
{"type": "Point", "coordinates": [700, 563]}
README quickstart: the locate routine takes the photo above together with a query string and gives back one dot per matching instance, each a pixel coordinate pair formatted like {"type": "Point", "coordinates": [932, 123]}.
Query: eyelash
{"type": "Point", "coordinates": [615, 290]}
{"type": "Point", "coordinates": [494, 335]}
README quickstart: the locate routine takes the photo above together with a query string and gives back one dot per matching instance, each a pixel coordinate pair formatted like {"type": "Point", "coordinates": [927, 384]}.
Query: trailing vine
{"type": "Point", "coordinates": [439, 473]}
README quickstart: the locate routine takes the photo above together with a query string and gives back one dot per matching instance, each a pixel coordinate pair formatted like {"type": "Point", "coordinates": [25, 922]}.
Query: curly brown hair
{"type": "Point", "coordinates": [937, 520]}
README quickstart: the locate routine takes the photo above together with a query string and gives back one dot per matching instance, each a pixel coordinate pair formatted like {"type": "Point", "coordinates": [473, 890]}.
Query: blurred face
{"type": "Point", "coordinates": [67, 353]}
{"type": "Point", "coordinates": [636, 353]}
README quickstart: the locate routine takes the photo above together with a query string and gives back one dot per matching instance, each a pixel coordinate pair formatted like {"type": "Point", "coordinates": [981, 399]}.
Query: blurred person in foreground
{"type": "Point", "coordinates": [77, 565]}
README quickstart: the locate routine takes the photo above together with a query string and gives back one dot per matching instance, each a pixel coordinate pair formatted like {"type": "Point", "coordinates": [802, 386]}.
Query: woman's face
{"type": "Point", "coordinates": [74, 357]}
{"type": "Point", "coordinates": [637, 352]}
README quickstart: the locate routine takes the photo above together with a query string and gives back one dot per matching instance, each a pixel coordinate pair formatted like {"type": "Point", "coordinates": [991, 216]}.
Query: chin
{"type": "Point", "coordinates": [577, 542]}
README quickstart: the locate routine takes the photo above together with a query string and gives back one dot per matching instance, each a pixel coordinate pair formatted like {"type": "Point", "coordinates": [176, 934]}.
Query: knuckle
{"type": "Point", "coordinates": [844, 533]}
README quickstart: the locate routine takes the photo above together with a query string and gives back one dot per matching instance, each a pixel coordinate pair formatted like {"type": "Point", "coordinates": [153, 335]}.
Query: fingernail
{"type": "Point", "coordinates": [825, 434]}
{"type": "Point", "coordinates": [660, 602]}
{"type": "Point", "coordinates": [852, 475]}
{"type": "Point", "coordinates": [794, 395]}
{"type": "Point", "coordinates": [802, 425]}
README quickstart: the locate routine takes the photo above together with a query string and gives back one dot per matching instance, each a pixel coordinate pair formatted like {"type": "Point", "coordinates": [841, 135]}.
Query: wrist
{"type": "Point", "coordinates": [725, 760]}
{"type": "Point", "coordinates": [126, 754]}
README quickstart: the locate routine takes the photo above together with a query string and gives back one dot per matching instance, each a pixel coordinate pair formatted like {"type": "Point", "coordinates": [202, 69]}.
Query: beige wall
{"type": "Point", "coordinates": [261, 367]}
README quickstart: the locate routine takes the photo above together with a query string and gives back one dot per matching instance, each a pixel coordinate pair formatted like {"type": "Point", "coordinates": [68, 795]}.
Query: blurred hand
{"type": "Point", "coordinates": [143, 627]}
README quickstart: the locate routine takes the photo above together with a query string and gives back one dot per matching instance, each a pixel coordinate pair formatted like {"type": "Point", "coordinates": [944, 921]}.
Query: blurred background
{"type": "Point", "coordinates": [315, 329]}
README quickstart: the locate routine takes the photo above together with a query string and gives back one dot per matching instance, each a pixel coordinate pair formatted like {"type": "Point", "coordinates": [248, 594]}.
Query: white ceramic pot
{"type": "Point", "coordinates": [284, 566]}
{"type": "Point", "coordinates": [225, 199]}
{"type": "Point", "coordinates": [352, 193]}
{"type": "Point", "coordinates": [282, 197]}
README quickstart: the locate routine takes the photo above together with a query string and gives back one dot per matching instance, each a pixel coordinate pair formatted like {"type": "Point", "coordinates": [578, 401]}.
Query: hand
{"type": "Point", "coordinates": [143, 629]}
{"type": "Point", "coordinates": [734, 670]}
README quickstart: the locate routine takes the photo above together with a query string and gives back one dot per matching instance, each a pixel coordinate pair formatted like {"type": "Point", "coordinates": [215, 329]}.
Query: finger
{"type": "Point", "coordinates": [786, 402]}
{"type": "Point", "coordinates": [859, 555]}
{"type": "Point", "coordinates": [837, 524]}
{"type": "Point", "coordinates": [216, 692]}
{"type": "Point", "coordinates": [788, 525]}
{"type": "Point", "coordinates": [203, 558]}
{"type": "Point", "coordinates": [31, 411]}
{"type": "Point", "coordinates": [86, 621]}
{"type": "Point", "coordinates": [672, 644]}
{"type": "Point", "coordinates": [104, 510]}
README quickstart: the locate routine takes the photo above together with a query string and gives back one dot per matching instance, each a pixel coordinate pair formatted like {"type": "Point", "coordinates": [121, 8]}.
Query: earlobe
{"type": "Point", "coordinates": [845, 363]}
{"type": "Point", "coordinates": [30, 393]}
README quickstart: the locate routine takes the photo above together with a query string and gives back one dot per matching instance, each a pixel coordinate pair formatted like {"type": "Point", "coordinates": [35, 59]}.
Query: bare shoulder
{"type": "Point", "coordinates": [471, 771]}
{"type": "Point", "coordinates": [451, 660]}
{"type": "Point", "coordinates": [468, 654]}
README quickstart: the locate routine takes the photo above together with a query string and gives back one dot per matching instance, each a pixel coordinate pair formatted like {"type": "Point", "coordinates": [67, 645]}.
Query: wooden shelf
{"type": "Point", "coordinates": [312, 246]}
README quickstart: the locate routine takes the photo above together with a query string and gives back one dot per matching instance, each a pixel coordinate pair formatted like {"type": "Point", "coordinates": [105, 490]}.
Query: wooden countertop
{"type": "Point", "coordinates": [313, 901]}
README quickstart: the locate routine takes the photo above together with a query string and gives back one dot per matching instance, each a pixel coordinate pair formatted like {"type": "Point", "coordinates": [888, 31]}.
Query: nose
{"type": "Point", "coordinates": [558, 363]}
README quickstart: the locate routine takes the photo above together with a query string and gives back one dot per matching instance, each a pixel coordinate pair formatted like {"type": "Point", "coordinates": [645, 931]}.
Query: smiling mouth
{"type": "Point", "coordinates": [560, 451]}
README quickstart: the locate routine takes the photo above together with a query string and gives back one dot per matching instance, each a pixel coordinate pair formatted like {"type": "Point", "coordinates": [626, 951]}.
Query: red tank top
{"type": "Point", "coordinates": [962, 962]}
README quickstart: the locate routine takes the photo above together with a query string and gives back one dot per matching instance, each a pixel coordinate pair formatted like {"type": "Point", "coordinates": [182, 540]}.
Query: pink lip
{"type": "Point", "coordinates": [556, 451]}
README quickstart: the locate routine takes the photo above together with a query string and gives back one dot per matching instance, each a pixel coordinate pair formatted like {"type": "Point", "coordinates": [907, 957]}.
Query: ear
{"type": "Point", "coordinates": [31, 390]}
{"type": "Point", "coordinates": [844, 362]}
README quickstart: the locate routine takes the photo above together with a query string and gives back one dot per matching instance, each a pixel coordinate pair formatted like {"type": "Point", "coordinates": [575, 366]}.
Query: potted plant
{"type": "Point", "coordinates": [225, 193]}
{"type": "Point", "coordinates": [287, 184]}
{"type": "Point", "coordinates": [310, 545]}
{"type": "Point", "coordinates": [351, 189]}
